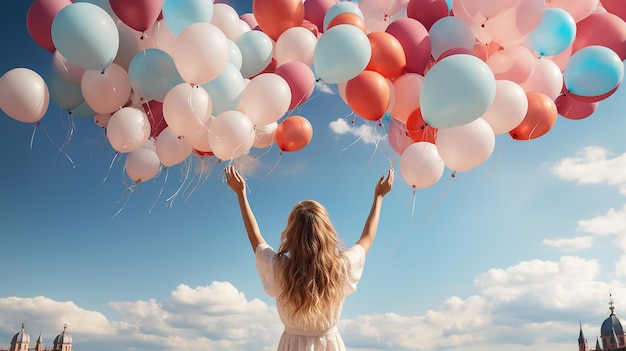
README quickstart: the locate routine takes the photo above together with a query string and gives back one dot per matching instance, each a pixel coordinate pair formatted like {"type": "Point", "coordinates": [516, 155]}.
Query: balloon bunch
{"type": "Point", "coordinates": [170, 77]}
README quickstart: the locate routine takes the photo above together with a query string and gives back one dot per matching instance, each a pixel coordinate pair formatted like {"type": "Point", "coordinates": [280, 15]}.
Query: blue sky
{"type": "Point", "coordinates": [510, 255]}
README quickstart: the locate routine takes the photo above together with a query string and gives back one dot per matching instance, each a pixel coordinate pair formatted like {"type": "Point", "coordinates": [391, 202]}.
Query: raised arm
{"type": "Point", "coordinates": [238, 185]}
{"type": "Point", "coordinates": [371, 224]}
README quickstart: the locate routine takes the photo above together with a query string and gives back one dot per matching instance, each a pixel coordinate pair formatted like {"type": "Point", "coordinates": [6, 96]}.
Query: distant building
{"type": "Point", "coordinates": [612, 337]}
{"type": "Point", "coordinates": [21, 341]}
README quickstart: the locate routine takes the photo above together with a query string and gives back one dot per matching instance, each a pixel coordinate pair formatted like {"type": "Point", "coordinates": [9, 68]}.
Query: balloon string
{"type": "Point", "coordinates": [166, 169]}
{"type": "Point", "coordinates": [32, 137]}
{"type": "Point", "coordinates": [125, 198]}
{"type": "Point", "coordinates": [185, 177]}
{"type": "Point", "coordinates": [406, 231]}
{"type": "Point", "coordinates": [109, 170]}
{"type": "Point", "coordinates": [493, 165]}
{"type": "Point", "coordinates": [274, 166]}
{"type": "Point", "coordinates": [59, 148]}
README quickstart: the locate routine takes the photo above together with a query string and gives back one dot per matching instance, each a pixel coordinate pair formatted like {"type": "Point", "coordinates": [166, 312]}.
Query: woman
{"type": "Point", "coordinates": [311, 274]}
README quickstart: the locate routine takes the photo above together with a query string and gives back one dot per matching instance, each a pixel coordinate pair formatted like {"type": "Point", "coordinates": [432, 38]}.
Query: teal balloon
{"type": "Point", "coordinates": [456, 91]}
{"type": "Point", "coordinates": [256, 50]}
{"type": "Point", "coordinates": [180, 14]}
{"type": "Point", "coordinates": [339, 8]}
{"type": "Point", "coordinates": [153, 73]}
{"type": "Point", "coordinates": [226, 90]}
{"type": "Point", "coordinates": [85, 35]}
{"type": "Point", "coordinates": [83, 111]}
{"type": "Point", "coordinates": [555, 32]}
{"type": "Point", "coordinates": [593, 70]}
{"type": "Point", "coordinates": [67, 95]}
{"type": "Point", "coordinates": [341, 53]}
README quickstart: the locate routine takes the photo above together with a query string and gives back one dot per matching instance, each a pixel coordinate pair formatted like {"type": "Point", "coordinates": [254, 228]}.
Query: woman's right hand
{"type": "Point", "coordinates": [384, 185]}
{"type": "Point", "coordinates": [235, 180]}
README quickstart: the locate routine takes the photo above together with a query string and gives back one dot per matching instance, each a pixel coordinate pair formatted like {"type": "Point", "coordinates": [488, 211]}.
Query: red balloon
{"type": "Point", "coordinates": [276, 16]}
{"type": "Point", "coordinates": [571, 108]}
{"type": "Point", "coordinates": [315, 10]}
{"type": "Point", "coordinates": [139, 15]}
{"type": "Point", "coordinates": [154, 110]}
{"type": "Point", "coordinates": [427, 12]}
{"type": "Point", "coordinates": [604, 29]}
{"type": "Point", "coordinates": [593, 98]}
{"type": "Point", "coordinates": [616, 7]}
{"type": "Point", "coordinates": [417, 128]}
{"type": "Point", "coordinates": [39, 19]}
{"type": "Point", "coordinates": [368, 94]}
{"type": "Point", "coordinates": [388, 56]}
{"type": "Point", "coordinates": [415, 41]}
{"type": "Point", "coordinates": [539, 119]}
{"type": "Point", "coordinates": [294, 133]}
{"type": "Point", "coordinates": [301, 81]}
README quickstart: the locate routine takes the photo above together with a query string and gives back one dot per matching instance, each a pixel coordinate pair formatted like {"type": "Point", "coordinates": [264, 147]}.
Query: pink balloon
{"type": "Point", "coordinates": [137, 14]}
{"type": "Point", "coordinates": [546, 78]}
{"type": "Point", "coordinates": [199, 140]}
{"type": "Point", "coordinates": [128, 129]}
{"type": "Point", "coordinates": [39, 19]}
{"type": "Point", "coordinates": [616, 7]}
{"type": "Point", "coordinates": [66, 70]}
{"type": "Point", "coordinates": [407, 89]}
{"type": "Point", "coordinates": [315, 10]}
{"type": "Point", "coordinates": [427, 12]}
{"type": "Point", "coordinates": [604, 29]}
{"type": "Point", "coordinates": [232, 135]}
{"type": "Point", "coordinates": [186, 107]}
{"type": "Point", "coordinates": [171, 149]}
{"type": "Point", "coordinates": [572, 108]}
{"type": "Point", "coordinates": [24, 95]}
{"type": "Point", "coordinates": [201, 53]}
{"type": "Point", "coordinates": [508, 108]}
{"type": "Point", "coordinates": [420, 165]}
{"type": "Point", "coordinates": [301, 81]}
{"type": "Point", "coordinates": [415, 41]}
{"type": "Point", "coordinates": [142, 164]}
{"type": "Point", "coordinates": [266, 98]}
{"type": "Point", "coordinates": [250, 20]}
{"type": "Point", "coordinates": [398, 136]}
{"type": "Point", "coordinates": [467, 146]}
{"type": "Point", "coordinates": [514, 63]}
{"type": "Point", "coordinates": [513, 25]}
{"type": "Point", "coordinates": [106, 91]}
{"type": "Point", "coordinates": [580, 9]}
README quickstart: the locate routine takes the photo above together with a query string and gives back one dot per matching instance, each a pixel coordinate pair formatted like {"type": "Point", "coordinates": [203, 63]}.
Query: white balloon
{"type": "Point", "coordinates": [185, 108]}
{"type": "Point", "coordinates": [420, 165]}
{"type": "Point", "coordinates": [231, 135]}
{"type": "Point", "coordinates": [201, 53]}
{"type": "Point", "coordinates": [128, 129]}
{"type": "Point", "coordinates": [295, 44]}
{"type": "Point", "coordinates": [24, 95]}
{"type": "Point", "coordinates": [508, 108]}
{"type": "Point", "coordinates": [265, 135]}
{"type": "Point", "coordinates": [142, 164]}
{"type": "Point", "coordinates": [464, 147]}
{"type": "Point", "coordinates": [266, 98]}
{"type": "Point", "coordinates": [171, 148]}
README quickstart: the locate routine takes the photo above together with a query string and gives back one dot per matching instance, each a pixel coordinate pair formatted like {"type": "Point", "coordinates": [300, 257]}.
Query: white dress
{"type": "Point", "coordinates": [295, 337]}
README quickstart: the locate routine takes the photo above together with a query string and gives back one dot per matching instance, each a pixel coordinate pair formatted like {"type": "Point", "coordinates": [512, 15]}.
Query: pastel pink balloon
{"type": "Point", "coordinates": [398, 136]}
{"type": "Point", "coordinates": [580, 9]}
{"type": "Point", "coordinates": [415, 41]}
{"type": "Point", "coordinates": [137, 14]}
{"type": "Point", "coordinates": [201, 53]}
{"type": "Point", "coordinates": [66, 70]}
{"type": "Point", "coordinates": [106, 91]}
{"type": "Point", "coordinates": [250, 20]}
{"type": "Point", "coordinates": [171, 149]}
{"type": "Point", "coordinates": [467, 146]}
{"type": "Point", "coordinates": [24, 95]}
{"type": "Point", "coordinates": [427, 12]}
{"type": "Point", "coordinates": [508, 108]}
{"type": "Point", "coordinates": [265, 135]}
{"type": "Point", "coordinates": [406, 89]}
{"type": "Point", "coordinates": [514, 63]}
{"type": "Point", "coordinates": [231, 135]}
{"type": "Point", "coordinates": [301, 81]}
{"type": "Point", "coordinates": [546, 78]}
{"type": "Point", "coordinates": [227, 20]}
{"type": "Point", "coordinates": [420, 165]}
{"type": "Point", "coordinates": [39, 19]}
{"type": "Point", "coordinates": [142, 164]}
{"type": "Point", "coordinates": [377, 13]}
{"type": "Point", "coordinates": [128, 129]}
{"type": "Point", "coordinates": [266, 98]}
{"type": "Point", "coordinates": [199, 140]}
{"type": "Point", "coordinates": [186, 107]}
{"type": "Point", "coordinates": [102, 119]}
{"type": "Point", "coordinates": [515, 22]}
{"type": "Point", "coordinates": [315, 10]}
{"type": "Point", "coordinates": [295, 44]}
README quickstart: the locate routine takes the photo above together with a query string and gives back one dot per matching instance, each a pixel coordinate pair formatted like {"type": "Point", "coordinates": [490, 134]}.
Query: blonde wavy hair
{"type": "Point", "coordinates": [310, 270]}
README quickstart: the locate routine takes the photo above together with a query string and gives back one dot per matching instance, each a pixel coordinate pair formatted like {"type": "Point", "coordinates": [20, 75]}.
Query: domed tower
{"type": "Point", "coordinates": [63, 341]}
{"type": "Point", "coordinates": [612, 332]}
{"type": "Point", "coordinates": [20, 340]}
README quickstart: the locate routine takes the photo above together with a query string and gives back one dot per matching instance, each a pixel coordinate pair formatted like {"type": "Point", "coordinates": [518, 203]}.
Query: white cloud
{"type": "Point", "coordinates": [324, 88]}
{"type": "Point", "coordinates": [593, 166]}
{"type": "Point", "coordinates": [569, 244]}
{"type": "Point", "coordinates": [365, 132]}
{"type": "Point", "coordinates": [613, 222]}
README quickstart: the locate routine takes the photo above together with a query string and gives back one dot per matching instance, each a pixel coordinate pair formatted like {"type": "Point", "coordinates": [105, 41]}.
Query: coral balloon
{"type": "Point", "coordinates": [137, 14]}
{"type": "Point", "coordinates": [420, 165]}
{"type": "Point", "coordinates": [276, 16]}
{"type": "Point", "coordinates": [24, 95]}
{"type": "Point", "coordinates": [368, 94]}
{"type": "Point", "coordinates": [539, 119]}
{"type": "Point", "coordinates": [348, 18]}
{"type": "Point", "coordinates": [39, 19]}
{"type": "Point", "coordinates": [388, 56]}
{"type": "Point", "coordinates": [294, 133]}
{"type": "Point", "coordinates": [407, 89]}
{"type": "Point", "coordinates": [418, 129]}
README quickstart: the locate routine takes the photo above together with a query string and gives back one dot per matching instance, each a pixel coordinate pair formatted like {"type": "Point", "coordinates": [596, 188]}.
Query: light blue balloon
{"type": "Point", "coordinates": [180, 14]}
{"type": "Point", "coordinates": [341, 53]}
{"type": "Point", "coordinates": [256, 52]}
{"type": "Point", "coordinates": [83, 111]}
{"type": "Point", "coordinates": [226, 90]}
{"type": "Point", "coordinates": [153, 73]}
{"type": "Point", "coordinates": [555, 32]}
{"type": "Point", "coordinates": [105, 5]}
{"type": "Point", "coordinates": [234, 54]}
{"type": "Point", "coordinates": [339, 8]}
{"type": "Point", "coordinates": [456, 91]}
{"type": "Point", "coordinates": [67, 95]}
{"type": "Point", "coordinates": [593, 71]}
{"type": "Point", "coordinates": [449, 2]}
{"type": "Point", "coordinates": [85, 35]}
{"type": "Point", "coordinates": [449, 33]}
